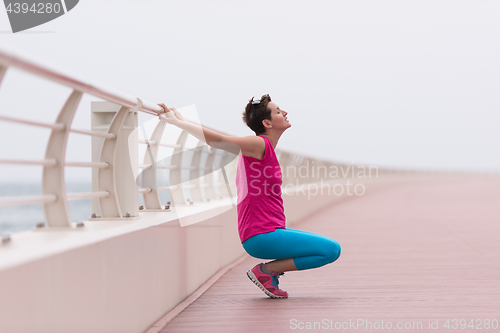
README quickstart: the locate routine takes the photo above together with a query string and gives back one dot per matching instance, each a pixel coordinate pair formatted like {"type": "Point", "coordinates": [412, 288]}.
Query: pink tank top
{"type": "Point", "coordinates": [258, 185]}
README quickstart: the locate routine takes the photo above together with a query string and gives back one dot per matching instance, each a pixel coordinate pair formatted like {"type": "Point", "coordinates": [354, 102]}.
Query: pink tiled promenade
{"type": "Point", "coordinates": [411, 253]}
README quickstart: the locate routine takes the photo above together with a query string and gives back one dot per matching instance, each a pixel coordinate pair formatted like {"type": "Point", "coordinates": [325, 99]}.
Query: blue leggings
{"type": "Point", "coordinates": [308, 250]}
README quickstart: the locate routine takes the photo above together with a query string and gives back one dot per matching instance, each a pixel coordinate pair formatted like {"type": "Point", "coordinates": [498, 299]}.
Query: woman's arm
{"type": "Point", "coordinates": [249, 145]}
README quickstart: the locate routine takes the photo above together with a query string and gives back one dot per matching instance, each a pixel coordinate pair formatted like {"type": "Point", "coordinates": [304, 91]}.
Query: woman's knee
{"type": "Point", "coordinates": [332, 251]}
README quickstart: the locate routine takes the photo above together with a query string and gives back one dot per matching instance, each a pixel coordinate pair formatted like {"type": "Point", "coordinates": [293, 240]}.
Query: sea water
{"type": "Point", "coordinates": [20, 218]}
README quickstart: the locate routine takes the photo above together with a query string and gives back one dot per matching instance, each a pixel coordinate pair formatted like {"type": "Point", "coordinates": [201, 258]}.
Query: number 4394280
{"type": "Point", "coordinates": [35, 8]}
{"type": "Point", "coordinates": [473, 324]}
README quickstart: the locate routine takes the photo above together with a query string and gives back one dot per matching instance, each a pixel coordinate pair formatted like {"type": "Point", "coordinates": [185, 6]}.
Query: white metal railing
{"type": "Point", "coordinates": [112, 195]}
{"type": "Point", "coordinates": [54, 198]}
{"type": "Point", "coordinates": [13, 201]}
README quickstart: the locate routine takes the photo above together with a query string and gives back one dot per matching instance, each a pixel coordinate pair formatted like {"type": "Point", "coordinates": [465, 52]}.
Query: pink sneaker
{"type": "Point", "coordinates": [267, 282]}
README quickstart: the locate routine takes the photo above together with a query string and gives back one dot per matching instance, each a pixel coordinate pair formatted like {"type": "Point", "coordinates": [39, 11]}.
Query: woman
{"type": "Point", "coordinates": [261, 218]}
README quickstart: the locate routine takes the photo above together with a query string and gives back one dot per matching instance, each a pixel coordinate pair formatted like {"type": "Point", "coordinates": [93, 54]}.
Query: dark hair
{"type": "Point", "coordinates": [255, 113]}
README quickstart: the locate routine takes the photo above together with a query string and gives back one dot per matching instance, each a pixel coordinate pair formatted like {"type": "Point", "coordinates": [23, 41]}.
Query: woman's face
{"type": "Point", "coordinates": [278, 117]}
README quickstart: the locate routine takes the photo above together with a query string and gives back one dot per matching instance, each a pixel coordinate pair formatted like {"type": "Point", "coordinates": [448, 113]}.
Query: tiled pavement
{"type": "Point", "coordinates": [411, 253]}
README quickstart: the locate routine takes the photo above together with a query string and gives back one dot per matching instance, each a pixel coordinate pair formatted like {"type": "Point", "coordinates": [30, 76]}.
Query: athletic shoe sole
{"type": "Point", "coordinates": [254, 279]}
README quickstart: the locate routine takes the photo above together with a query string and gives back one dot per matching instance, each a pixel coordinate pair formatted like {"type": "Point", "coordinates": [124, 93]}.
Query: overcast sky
{"type": "Point", "coordinates": [411, 84]}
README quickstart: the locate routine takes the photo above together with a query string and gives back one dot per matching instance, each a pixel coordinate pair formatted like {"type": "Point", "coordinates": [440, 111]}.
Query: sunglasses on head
{"type": "Point", "coordinates": [258, 101]}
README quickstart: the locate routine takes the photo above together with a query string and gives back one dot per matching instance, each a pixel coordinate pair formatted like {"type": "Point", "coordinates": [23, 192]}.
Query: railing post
{"type": "Point", "coordinates": [231, 169]}
{"type": "Point", "coordinates": [208, 175]}
{"type": "Point", "coordinates": [194, 174]}
{"type": "Point", "coordinates": [175, 175]}
{"type": "Point", "coordinates": [53, 182]}
{"type": "Point", "coordinates": [226, 175]}
{"type": "Point", "coordinates": [149, 175]}
{"type": "Point", "coordinates": [221, 184]}
{"type": "Point", "coordinates": [121, 154]}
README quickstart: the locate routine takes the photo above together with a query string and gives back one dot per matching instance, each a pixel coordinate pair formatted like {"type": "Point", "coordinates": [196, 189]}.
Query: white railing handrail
{"type": "Point", "coordinates": [11, 58]}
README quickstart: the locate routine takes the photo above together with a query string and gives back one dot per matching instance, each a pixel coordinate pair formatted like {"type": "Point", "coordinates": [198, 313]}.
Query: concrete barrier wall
{"type": "Point", "coordinates": [123, 276]}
